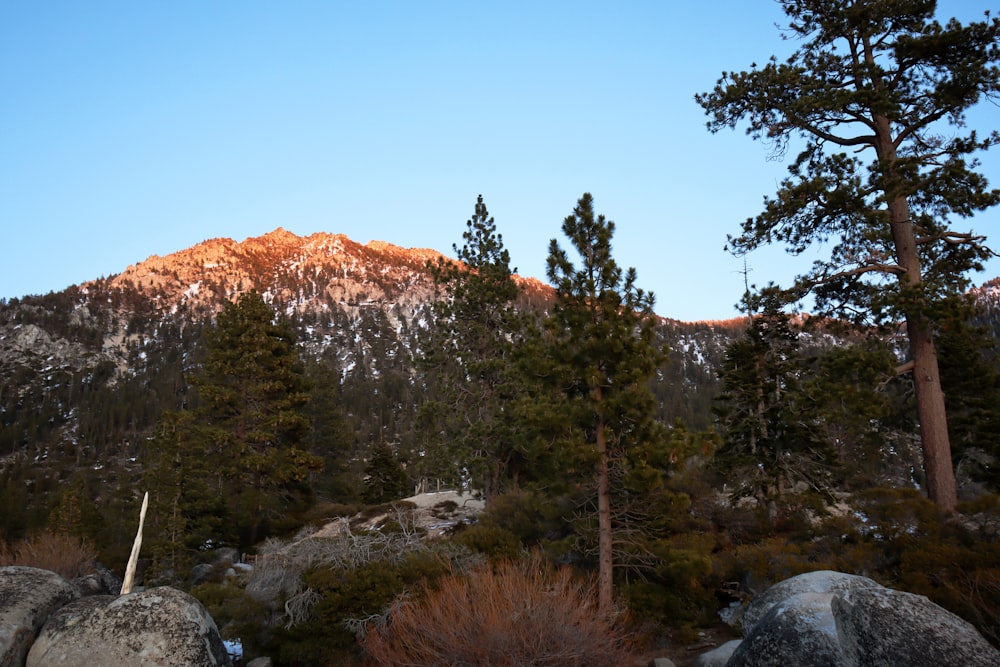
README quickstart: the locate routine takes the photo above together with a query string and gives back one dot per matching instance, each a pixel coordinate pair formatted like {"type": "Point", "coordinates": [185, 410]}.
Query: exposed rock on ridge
{"type": "Point", "coordinates": [288, 269]}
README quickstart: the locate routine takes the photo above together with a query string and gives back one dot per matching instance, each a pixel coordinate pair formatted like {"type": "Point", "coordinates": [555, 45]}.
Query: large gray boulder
{"type": "Point", "coordinates": [830, 618]}
{"type": "Point", "coordinates": [821, 581]}
{"type": "Point", "coordinates": [798, 630]}
{"type": "Point", "coordinates": [152, 628]}
{"type": "Point", "coordinates": [881, 626]}
{"type": "Point", "coordinates": [27, 596]}
{"type": "Point", "coordinates": [718, 656]}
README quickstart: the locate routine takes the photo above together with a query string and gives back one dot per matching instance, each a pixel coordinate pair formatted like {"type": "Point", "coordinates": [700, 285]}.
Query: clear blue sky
{"type": "Point", "coordinates": [136, 128]}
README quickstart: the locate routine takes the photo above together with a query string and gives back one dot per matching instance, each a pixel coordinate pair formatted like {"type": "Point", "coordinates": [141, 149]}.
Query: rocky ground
{"type": "Point", "coordinates": [683, 654]}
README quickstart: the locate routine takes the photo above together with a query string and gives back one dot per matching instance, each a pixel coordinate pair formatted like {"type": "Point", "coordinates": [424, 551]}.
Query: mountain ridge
{"type": "Point", "coordinates": [125, 343]}
{"type": "Point", "coordinates": [290, 271]}
{"type": "Point", "coordinates": [360, 310]}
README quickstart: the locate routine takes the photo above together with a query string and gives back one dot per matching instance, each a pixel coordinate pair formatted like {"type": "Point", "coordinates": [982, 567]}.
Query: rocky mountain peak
{"type": "Point", "coordinates": [291, 271]}
{"type": "Point", "coordinates": [294, 273]}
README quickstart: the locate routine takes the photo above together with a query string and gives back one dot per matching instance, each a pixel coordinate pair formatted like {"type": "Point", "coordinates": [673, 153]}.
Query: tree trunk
{"type": "Point", "coordinates": [934, 440]}
{"type": "Point", "coordinates": [931, 413]}
{"type": "Point", "coordinates": [605, 564]}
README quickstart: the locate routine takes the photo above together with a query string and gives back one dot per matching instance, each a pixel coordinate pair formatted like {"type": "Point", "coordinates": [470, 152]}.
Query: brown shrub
{"type": "Point", "coordinates": [67, 556]}
{"type": "Point", "coordinates": [518, 613]}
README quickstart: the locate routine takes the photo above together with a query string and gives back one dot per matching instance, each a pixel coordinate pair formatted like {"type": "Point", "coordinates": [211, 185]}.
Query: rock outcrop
{"type": "Point", "coordinates": [842, 620]}
{"type": "Point", "coordinates": [800, 625]}
{"type": "Point", "coordinates": [881, 626]}
{"type": "Point", "coordinates": [822, 581]}
{"type": "Point", "coordinates": [27, 597]}
{"type": "Point", "coordinates": [152, 628]}
{"type": "Point", "coordinates": [718, 656]}
{"type": "Point", "coordinates": [45, 622]}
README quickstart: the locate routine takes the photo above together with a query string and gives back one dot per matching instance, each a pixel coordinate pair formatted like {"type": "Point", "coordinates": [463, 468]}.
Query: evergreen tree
{"type": "Point", "coordinates": [470, 364]}
{"type": "Point", "coordinates": [971, 379]}
{"type": "Point", "coordinates": [880, 79]}
{"type": "Point", "coordinates": [253, 412]}
{"type": "Point", "coordinates": [187, 508]}
{"type": "Point", "coordinates": [857, 410]}
{"type": "Point", "coordinates": [75, 512]}
{"type": "Point", "coordinates": [14, 500]}
{"type": "Point", "coordinates": [385, 478]}
{"type": "Point", "coordinates": [330, 436]}
{"type": "Point", "coordinates": [759, 407]}
{"type": "Point", "coordinates": [602, 355]}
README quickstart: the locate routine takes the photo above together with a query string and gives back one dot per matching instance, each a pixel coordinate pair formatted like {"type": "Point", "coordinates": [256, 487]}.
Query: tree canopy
{"type": "Point", "coordinates": [245, 437]}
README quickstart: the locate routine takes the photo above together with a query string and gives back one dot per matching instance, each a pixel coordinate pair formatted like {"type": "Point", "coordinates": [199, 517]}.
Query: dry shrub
{"type": "Point", "coordinates": [67, 556]}
{"type": "Point", "coordinates": [518, 613]}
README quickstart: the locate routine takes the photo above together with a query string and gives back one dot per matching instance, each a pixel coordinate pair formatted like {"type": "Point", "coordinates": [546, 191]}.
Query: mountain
{"type": "Point", "coordinates": [297, 273]}
{"type": "Point", "coordinates": [90, 368]}
{"type": "Point", "coordinates": [104, 320]}
{"type": "Point", "coordinates": [87, 371]}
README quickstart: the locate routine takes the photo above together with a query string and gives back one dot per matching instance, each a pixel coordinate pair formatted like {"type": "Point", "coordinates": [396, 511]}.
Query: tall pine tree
{"type": "Point", "coordinates": [602, 354]}
{"type": "Point", "coordinates": [187, 506]}
{"type": "Point", "coordinates": [252, 410]}
{"type": "Point", "coordinates": [470, 361]}
{"type": "Point", "coordinates": [878, 91]}
{"type": "Point", "coordinates": [760, 405]}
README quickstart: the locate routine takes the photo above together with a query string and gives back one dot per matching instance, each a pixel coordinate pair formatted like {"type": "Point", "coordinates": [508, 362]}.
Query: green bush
{"type": "Point", "coordinates": [680, 587]}
{"type": "Point", "coordinates": [490, 539]}
{"type": "Point", "coordinates": [960, 577]}
{"type": "Point", "coordinates": [531, 516]}
{"type": "Point", "coordinates": [346, 594]}
{"type": "Point", "coordinates": [238, 614]}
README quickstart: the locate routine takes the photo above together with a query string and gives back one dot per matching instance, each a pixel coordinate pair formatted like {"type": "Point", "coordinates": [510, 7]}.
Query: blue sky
{"type": "Point", "coordinates": [136, 128]}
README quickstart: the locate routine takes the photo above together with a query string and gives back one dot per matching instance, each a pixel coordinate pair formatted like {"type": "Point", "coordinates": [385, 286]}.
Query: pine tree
{"type": "Point", "coordinates": [187, 509]}
{"type": "Point", "coordinates": [75, 512]}
{"type": "Point", "coordinates": [759, 407]}
{"type": "Point", "coordinates": [14, 500]}
{"type": "Point", "coordinates": [971, 380]}
{"type": "Point", "coordinates": [331, 437]}
{"type": "Point", "coordinates": [602, 355]}
{"type": "Point", "coordinates": [857, 408]}
{"type": "Point", "coordinates": [470, 363]}
{"type": "Point", "coordinates": [385, 478]}
{"type": "Point", "coordinates": [253, 412]}
{"type": "Point", "coordinates": [879, 80]}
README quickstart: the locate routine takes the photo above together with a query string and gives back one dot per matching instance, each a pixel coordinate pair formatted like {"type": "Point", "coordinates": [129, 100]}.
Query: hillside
{"type": "Point", "coordinates": [87, 370]}
{"type": "Point", "coordinates": [90, 368]}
